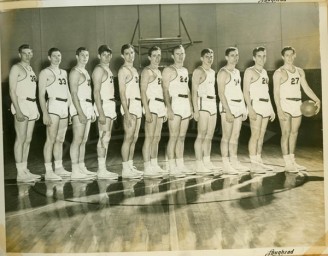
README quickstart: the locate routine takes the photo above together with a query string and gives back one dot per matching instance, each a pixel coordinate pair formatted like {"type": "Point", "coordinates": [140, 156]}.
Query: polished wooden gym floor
{"type": "Point", "coordinates": [275, 209]}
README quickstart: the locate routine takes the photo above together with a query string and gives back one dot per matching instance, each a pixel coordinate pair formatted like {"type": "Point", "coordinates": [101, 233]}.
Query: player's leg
{"type": "Point", "coordinates": [133, 144]}
{"type": "Point", "coordinates": [260, 141]}
{"type": "Point", "coordinates": [58, 148]}
{"type": "Point", "coordinates": [21, 132]}
{"type": "Point", "coordinates": [207, 145]}
{"type": "Point", "coordinates": [150, 128]}
{"type": "Point", "coordinates": [285, 126]}
{"type": "Point", "coordinates": [174, 129]}
{"type": "Point", "coordinates": [233, 146]}
{"type": "Point", "coordinates": [48, 149]}
{"type": "Point", "coordinates": [179, 149]}
{"type": "Point", "coordinates": [253, 143]}
{"type": "Point", "coordinates": [295, 125]}
{"type": "Point", "coordinates": [78, 135]}
{"type": "Point", "coordinates": [155, 144]}
{"type": "Point", "coordinates": [26, 147]}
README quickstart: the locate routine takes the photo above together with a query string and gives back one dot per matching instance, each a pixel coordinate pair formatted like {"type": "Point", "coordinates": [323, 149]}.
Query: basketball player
{"type": "Point", "coordinates": [128, 79]}
{"type": "Point", "coordinates": [257, 98]}
{"type": "Point", "coordinates": [287, 81]}
{"type": "Point", "coordinates": [22, 88]}
{"type": "Point", "coordinates": [179, 110]}
{"type": "Point", "coordinates": [82, 114]}
{"type": "Point", "coordinates": [205, 111]}
{"type": "Point", "coordinates": [233, 111]}
{"type": "Point", "coordinates": [103, 91]}
{"type": "Point", "coordinates": [154, 110]}
{"type": "Point", "coordinates": [53, 82]}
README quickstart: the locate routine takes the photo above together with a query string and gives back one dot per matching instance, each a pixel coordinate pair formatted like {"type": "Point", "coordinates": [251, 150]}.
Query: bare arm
{"type": "Point", "coordinates": [74, 78]}
{"type": "Point", "coordinates": [196, 80]}
{"type": "Point", "coordinates": [13, 78]}
{"type": "Point", "coordinates": [308, 91]}
{"type": "Point", "coordinates": [167, 76]}
{"type": "Point", "coordinates": [277, 77]}
{"type": "Point", "coordinates": [222, 79]}
{"type": "Point", "coordinates": [97, 77]}
{"type": "Point", "coordinates": [146, 77]}
{"type": "Point", "coordinates": [248, 78]}
{"type": "Point", "coordinates": [43, 83]}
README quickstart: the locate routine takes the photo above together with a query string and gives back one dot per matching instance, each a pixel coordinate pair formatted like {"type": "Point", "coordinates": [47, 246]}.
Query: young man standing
{"type": "Point", "coordinates": [22, 89]}
{"type": "Point", "coordinates": [155, 112]}
{"type": "Point", "coordinates": [287, 82]}
{"type": "Point", "coordinates": [53, 82]}
{"type": "Point", "coordinates": [257, 98]}
{"type": "Point", "coordinates": [82, 114]}
{"type": "Point", "coordinates": [205, 111]}
{"type": "Point", "coordinates": [105, 108]}
{"type": "Point", "coordinates": [128, 79]}
{"type": "Point", "coordinates": [233, 111]}
{"type": "Point", "coordinates": [179, 110]}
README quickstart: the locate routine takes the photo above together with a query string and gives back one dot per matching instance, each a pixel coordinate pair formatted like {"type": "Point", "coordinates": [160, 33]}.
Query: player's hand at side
{"type": "Point", "coordinates": [46, 119]}
{"type": "Point", "coordinates": [229, 117]}
{"type": "Point", "coordinates": [272, 116]}
{"type": "Point", "coordinates": [196, 116]}
{"type": "Point", "coordinates": [317, 104]}
{"type": "Point", "coordinates": [252, 114]}
{"type": "Point", "coordinates": [82, 118]}
{"type": "Point", "coordinates": [282, 116]}
{"type": "Point", "coordinates": [170, 114]}
{"type": "Point", "coordinates": [148, 117]}
{"type": "Point", "coordinates": [127, 120]}
{"type": "Point", "coordinates": [20, 116]}
{"type": "Point", "coordinates": [93, 117]}
{"type": "Point", "coordinates": [102, 119]}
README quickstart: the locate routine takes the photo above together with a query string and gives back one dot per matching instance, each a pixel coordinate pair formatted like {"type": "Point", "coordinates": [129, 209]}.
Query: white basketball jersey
{"type": "Point", "coordinates": [260, 87]}
{"type": "Point", "coordinates": [154, 89]}
{"type": "Point", "coordinates": [291, 88]}
{"type": "Point", "coordinates": [132, 86]}
{"type": "Point", "coordinates": [179, 85]}
{"type": "Point", "coordinates": [26, 87]}
{"type": "Point", "coordinates": [107, 86]}
{"type": "Point", "coordinates": [207, 87]}
{"type": "Point", "coordinates": [84, 89]}
{"type": "Point", "coordinates": [59, 87]}
{"type": "Point", "coordinates": [233, 88]}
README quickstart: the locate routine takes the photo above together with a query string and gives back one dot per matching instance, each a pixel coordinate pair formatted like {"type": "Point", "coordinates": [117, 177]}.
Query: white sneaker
{"type": "Point", "coordinates": [104, 175]}
{"type": "Point", "coordinates": [25, 176]}
{"type": "Point", "coordinates": [300, 167]}
{"type": "Point", "coordinates": [291, 168]}
{"type": "Point", "coordinates": [257, 168]}
{"type": "Point", "coordinates": [87, 172]}
{"type": "Point", "coordinates": [158, 169]}
{"type": "Point", "coordinates": [239, 167]}
{"type": "Point", "coordinates": [62, 172]}
{"type": "Point", "coordinates": [151, 173]}
{"type": "Point", "coordinates": [51, 176]}
{"type": "Point", "coordinates": [177, 173]}
{"type": "Point", "coordinates": [211, 166]}
{"type": "Point", "coordinates": [186, 170]}
{"type": "Point", "coordinates": [203, 170]}
{"type": "Point", "coordinates": [228, 169]}
{"type": "Point", "coordinates": [130, 174]}
{"type": "Point", "coordinates": [266, 167]}
{"type": "Point", "coordinates": [133, 168]}
{"type": "Point", "coordinates": [79, 175]}
{"type": "Point", "coordinates": [35, 176]}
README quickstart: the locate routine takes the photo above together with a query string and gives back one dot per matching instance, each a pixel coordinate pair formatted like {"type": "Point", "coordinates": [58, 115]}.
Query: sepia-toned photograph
{"type": "Point", "coordinates": [163, 128]}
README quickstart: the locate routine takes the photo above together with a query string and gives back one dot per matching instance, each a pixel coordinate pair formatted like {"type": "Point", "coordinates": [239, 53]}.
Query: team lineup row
{"type": "Point", "coordinates": [160, 96]}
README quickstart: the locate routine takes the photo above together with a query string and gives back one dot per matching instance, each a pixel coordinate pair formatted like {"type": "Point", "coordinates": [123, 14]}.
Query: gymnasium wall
{"type": "Point", "coordinates": [216, 25]}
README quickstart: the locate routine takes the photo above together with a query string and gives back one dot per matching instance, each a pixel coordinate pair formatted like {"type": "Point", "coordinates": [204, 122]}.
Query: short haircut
{"type": "Point", "coordinates": [287, 48]}
{"type": "Point", "coordinates": [126, 46]}
{"type": "Point", "coordinates": [51, 50]}
{"type": "Point", "coordinates": [79, 50]}
{"type": "Point", "coordinates": [176, 48]}
{"type": "Point", "coordinates": [104, 48]}
{"type": "Point", "coordinates": [258, 49]}
{"type": "Point", "coordinates": [206, 50]}
{"type": "Point", "coordinates": [152, 49]}
{"type": "Point", "coordinates": [24, 46]}
{"type": "Point", "coordinates": [230, 49]}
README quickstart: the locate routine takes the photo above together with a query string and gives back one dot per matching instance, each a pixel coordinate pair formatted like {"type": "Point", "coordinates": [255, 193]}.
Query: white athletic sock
{"type": "Point", "coordinates": [147, 166]}
{"type": "Point", "coordinates": [82, 165]}
{"type": "Point", "coordinates": [253, 159]}
{"type": "Point", "coordinates": [153, 162]}
{"type": "Point", "coordinates": [58, 164]}
{"type": "Point", "coordinates": [225, 161]}
{"type": "Point", "coordinates": [48, 167]}
{"type": "Point", "coordinates": [75, 168]}
{"type": "Point", "coordinates": [101, 163]}
{"type": "Point", "coordinates": [180, 162]}
{"type": "Point", "coordinates": [19, 167]}
{"type": "Point", "coordinates": [233, 159]}
{"type": "Point", "coordinates": [206, 159]}
{"type": "Point", "coordinates": [199, 165]}
{"type": "Point", "coordinates": [172, 164]}
{"type": "Point", "coordinates": [130, 163]}
{"type": "Point", "coordinates": [24, 164]}
{"type": "Point", "coordinates": [292, 157]}
{"type": "Point", "coordinates": [125, 165]}
{"type": "Point", "coordinates": [288, 160]}
{"type": "Point", "coordinates": [259, 158]}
